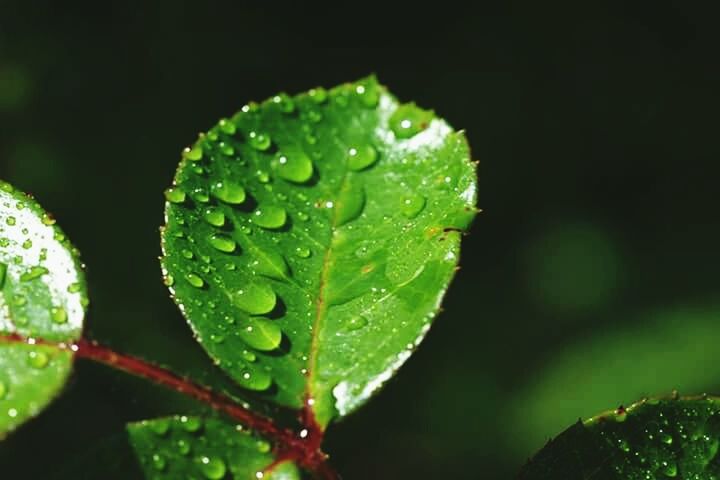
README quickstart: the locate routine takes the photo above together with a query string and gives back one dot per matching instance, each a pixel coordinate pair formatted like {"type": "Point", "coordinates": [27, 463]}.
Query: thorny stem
{"type": "Point", "coordinates": [303, 448]}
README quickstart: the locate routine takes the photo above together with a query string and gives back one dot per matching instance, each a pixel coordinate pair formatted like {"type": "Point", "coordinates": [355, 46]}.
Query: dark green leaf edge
{"type": "Point", "coordinates": [654, 438]}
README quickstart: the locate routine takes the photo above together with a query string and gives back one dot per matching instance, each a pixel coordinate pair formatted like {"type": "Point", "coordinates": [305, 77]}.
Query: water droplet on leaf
{"type": "Point", "coordinates": [222, 242]}
{"type": "Point", "coordinates": [368, 93]}
{"type": "Point", "coordinates": [213, 468]}
{"type": "Point", "coordinates": [255, 380]}
{"type": "Point", "coordinates": [228, 192]}
{"type": "Point", "coordinates": [58, 315]}
{"type": "Point", "coordinates": [269, 216]}
{"type": "Point", "coordinates": [200, 195]}
{"type": "Point", "coordinates": [356, 323]}
{"type": "Point", "coordinates": [183, 447]}
{"type": "Point", "coordinates": [227, 126]}
{"type": "Point", "coordinates": [160, 426]}
{"type": "Point", "coordinates": [158, 462]}
{"type": "Point", "coordinates": [361, 156]}
{"type": "Point", "coordinates": [412, 205]}
{"type": "Point", "coordinates": [285, 103]}
{"type": "Point", "coordinates": [195, 280]}
{"type": "Point", "coordinates": [261, 334]}
{"type": "Point", "coordinates": [215, 217]}
{"type": "Point", "coordinates": [294, 167]}
{"type": "Point", "coordinates": [190, 424]}
{"type": "Point", "coordinates": [255, 298]}
{"type": "Point", "coordinates": [319, 94]}
{"type": "Point", "coordinates": [259, 141]}
{"type": "Point", "coordinates": [38, 359]}
{"type": "Point", "coordinates": [409, 120]}
{"type": "Point", "coordinates": [670, 469]}
{"type": "Point", "coordinates": [193, 154]}
{"type": "Point", "coordinates": [174, 195]}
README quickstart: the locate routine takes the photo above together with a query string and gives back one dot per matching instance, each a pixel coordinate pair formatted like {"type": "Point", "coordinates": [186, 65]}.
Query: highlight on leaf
{"type": "Point", "coordinates": [42, 307]}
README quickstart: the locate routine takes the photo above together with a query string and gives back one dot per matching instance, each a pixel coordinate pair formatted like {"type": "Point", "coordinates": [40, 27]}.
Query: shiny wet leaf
{"type": "Point", "coordinates": [42, 307]}
{"type": "Point", "coordinates": [318, 232]}
{"type": "Point", "coordinates": [652, 439]}
{"type": "Point", "coordinates": [192, 447]}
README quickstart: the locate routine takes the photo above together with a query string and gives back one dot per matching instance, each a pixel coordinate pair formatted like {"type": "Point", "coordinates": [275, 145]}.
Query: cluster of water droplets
{"type": "Point", "coordinates": [257, 298]}
{"type": "Point", "coordinates": [37, 266]}
{"type": "Point", "coordinates": [41, 299]}
{"type": "Point", "coordinates": [29, 372]}
{"type": "Point", "coordinates": [228, 182]}
{"type": "Point", "coordinates": [35, 256]}
{"type": "Point", "coordinates": [187, 445]}
{"type": "Point", "coordinates": [663, 439]}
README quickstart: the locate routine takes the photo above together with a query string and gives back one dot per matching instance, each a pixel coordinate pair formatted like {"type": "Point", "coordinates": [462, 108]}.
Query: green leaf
{"type": "Point", "coordinates": [652, 439]}
{"type": "Point", "coordinates": [192, 447]}
{"type": "Point", "coordinates": [309, 240]}
{"type": "Point", "coordinates": [42, 305]}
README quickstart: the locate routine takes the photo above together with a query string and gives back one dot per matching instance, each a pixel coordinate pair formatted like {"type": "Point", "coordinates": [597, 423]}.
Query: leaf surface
{"type": "Point", "coordinates": [192, 447]}
{"type": "Point", "coordinates": [42, 305]}
{"type": "Point", "coordinates": [652, 439]}
{"type": "Point", "coordinates": [309, 240]}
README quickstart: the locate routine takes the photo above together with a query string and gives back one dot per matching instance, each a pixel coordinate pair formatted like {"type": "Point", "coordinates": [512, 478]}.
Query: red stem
{"type": "Point", "coordinates": [162, 376]}
{"type": "Point", "coordinates": [303, 449]}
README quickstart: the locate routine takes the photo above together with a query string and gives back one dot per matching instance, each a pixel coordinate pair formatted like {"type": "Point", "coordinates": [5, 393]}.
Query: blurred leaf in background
{"type": "Point", "coordinates": [652, 354]}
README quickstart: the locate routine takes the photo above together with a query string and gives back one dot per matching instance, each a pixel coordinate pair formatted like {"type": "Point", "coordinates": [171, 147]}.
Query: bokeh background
{"type": "Point", "coordinates": [589, 280]}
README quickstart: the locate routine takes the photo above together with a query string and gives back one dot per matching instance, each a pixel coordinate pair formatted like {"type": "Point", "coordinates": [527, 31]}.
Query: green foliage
{"type": "Point", "coordinates": [176, 447]}
{"type": "Point", "coordinates": [655, 438]}
{"type": "Point", "coordinates": [310, 239]}
{"type": "Point", "coordinates": [43, 301]}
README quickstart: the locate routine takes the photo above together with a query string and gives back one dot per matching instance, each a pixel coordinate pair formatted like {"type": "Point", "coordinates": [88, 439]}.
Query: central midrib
{"type": "Point", "coordinates": [321, 307]}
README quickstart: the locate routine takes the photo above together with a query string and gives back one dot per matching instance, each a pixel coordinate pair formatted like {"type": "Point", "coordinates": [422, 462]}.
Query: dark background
{"type": "Point", "coordinates": [589, 280]}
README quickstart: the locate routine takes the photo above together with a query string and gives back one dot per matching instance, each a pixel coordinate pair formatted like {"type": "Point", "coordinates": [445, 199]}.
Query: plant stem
{"type": "Point", "coordinates": [305, 449]}
{"type": "Point", "coordinates": [138, 367]}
